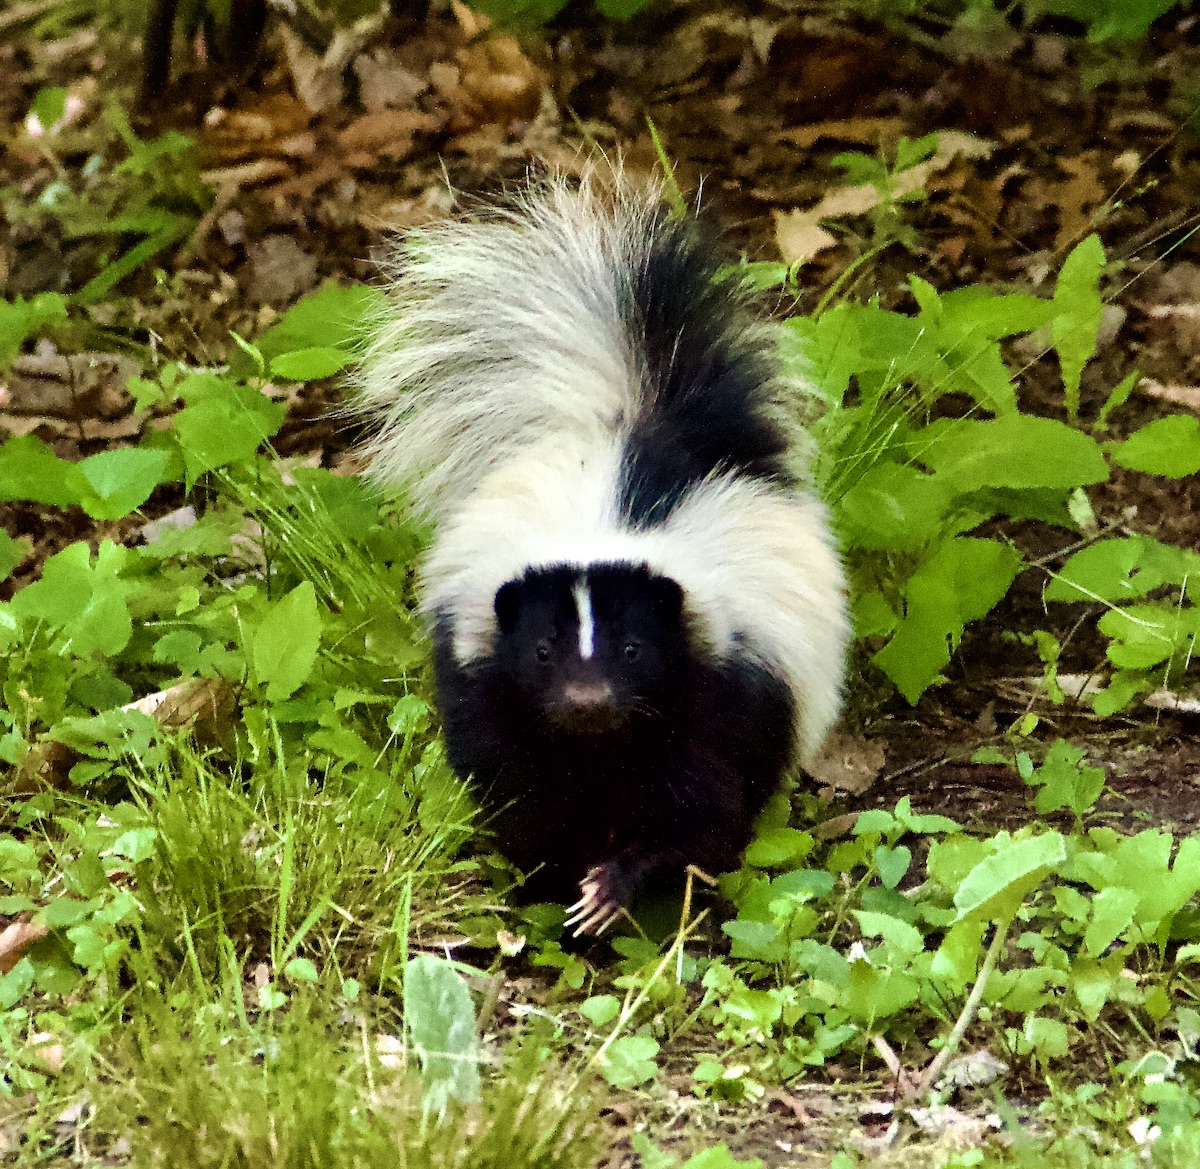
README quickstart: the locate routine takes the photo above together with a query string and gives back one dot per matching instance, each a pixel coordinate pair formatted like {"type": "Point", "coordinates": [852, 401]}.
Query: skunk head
{"type": "Point", "coordinates": [592, 650]}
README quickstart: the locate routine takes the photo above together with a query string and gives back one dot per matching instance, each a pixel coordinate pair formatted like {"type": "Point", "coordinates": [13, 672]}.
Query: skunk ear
{"type": "Point", "coordinates": [667, 597]}
{"type": "Point", "coordinates": [508, 606]}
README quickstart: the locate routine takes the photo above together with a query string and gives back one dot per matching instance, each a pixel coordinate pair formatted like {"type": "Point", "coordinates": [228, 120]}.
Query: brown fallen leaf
{"type": "Point", "coordinates": [47, 1050]}
{"type": "Point", "coordinates": [268, 127]}
{"type": "Point", "coordinates": [387, 132]}
{"type": "Point", "coordinates": [1077, 198]}
{"type": "Point", "coordinates": [504, 83]}
{"type": "Point", "coordinates": [847, 763]}
{"type": "Point", "coordinates": [13, 940]}
{"type": "Point", "coordinates": [1188, 396]}
{"type": "Point", "coordinates": [83, 385]}
{"type": "Point", "coordinates": [869, 131]}
{"type": "Point", "coordinates": [799, 233]}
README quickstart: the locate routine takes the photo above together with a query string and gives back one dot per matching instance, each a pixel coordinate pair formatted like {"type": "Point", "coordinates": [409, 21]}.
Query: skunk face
{"type": "Point", "coordinates": [592, 650]}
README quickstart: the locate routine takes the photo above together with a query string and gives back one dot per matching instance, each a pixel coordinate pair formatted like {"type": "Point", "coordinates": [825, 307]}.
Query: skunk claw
{"type": "Point", "coordinates": [595, 910]}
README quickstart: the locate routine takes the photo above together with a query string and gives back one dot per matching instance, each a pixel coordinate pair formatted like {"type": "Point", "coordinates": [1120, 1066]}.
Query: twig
{"type": "Point", "coordinates": [966, 1015]}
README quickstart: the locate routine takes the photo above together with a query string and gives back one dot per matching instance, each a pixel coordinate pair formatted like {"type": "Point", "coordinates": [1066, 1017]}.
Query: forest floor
{"type": "Point", "coordinates": [314, 161]}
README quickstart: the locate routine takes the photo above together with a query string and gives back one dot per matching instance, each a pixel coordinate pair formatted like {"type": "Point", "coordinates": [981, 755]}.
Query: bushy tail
{"type": "Point", "coordinates": [502, 329]}
{"type": "Point", "coordinates": [588, 314]}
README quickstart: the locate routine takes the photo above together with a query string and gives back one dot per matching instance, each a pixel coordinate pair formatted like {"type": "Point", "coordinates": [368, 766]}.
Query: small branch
{"type": "Point", "coordinates": [966, 1015]}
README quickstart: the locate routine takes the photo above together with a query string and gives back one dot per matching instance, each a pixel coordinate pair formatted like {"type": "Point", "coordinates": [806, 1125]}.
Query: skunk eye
{"type": "Point", "coordinates": [543, 652]}
{"type": "Point", "coordinates": [632, 651]}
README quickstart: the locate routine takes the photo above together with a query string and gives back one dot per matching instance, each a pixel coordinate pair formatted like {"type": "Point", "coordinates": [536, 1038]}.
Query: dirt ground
{"type": "Point", "coordinates": [314, 159]}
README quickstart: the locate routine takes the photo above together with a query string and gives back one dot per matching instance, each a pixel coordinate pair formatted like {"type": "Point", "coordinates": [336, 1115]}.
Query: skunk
{"type": "Point", "coordinates": [638, 614]}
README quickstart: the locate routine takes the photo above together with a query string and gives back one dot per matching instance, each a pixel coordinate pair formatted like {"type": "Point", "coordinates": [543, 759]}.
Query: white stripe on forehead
{"type": "Point", "coordinates": [587, 621]}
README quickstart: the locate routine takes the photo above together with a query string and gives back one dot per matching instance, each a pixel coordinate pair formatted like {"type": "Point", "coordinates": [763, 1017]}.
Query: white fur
{"type": "Point", "coordinates": [758, 572]}
{"type": "Point", "coordinates": [501, 330]}
{"type": "Point", "coordinates": [587, 620]}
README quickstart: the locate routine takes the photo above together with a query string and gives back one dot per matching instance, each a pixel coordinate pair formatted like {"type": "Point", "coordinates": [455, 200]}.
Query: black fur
{"type": "Point", "coordinates": [674, 773]}
{"type": "Point", "coordinates": [708, 380]}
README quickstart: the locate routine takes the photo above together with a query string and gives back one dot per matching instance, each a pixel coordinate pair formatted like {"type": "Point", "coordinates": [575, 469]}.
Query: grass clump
{"type": "Point", "coordinates": [321, 1083]}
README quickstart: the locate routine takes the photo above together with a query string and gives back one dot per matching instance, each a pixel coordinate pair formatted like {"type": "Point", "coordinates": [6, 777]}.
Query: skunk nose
{"type": "Point", "coordinates": [587, 695]}
{"type": "Point", "coordinates": [587, 707]}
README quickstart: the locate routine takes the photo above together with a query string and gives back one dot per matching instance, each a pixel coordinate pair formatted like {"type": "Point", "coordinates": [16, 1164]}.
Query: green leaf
{"type": "Point", "coordinates": [12, 553]}
{"type": "Point", "coordinates": [894, 506]}
{"type": "Point", "coordinates": [306, 365]}
{"type": "Point", "coordinates": [49, 104]}
{"type": "Point", "coordinates": [286, 642]}
{"type": "Point", "coordinates": [336, 316]}
{"type": "Point", "coordinates": [719, 1158]}
{"type": "Point", "coordinates": [85, 599]}
{"type": "Point", "coordinates": [630, 1061]}
{"type": "Point", "coordinates": [962, 581]}
{"type": "Point", "coordinates": [1168, 446]}
{"type": "Point", "coordinates": [1078, 308]}
{"type": "Point", "coordinates": [778, 848]}
{"type": "Point", "coordinates": [1118, 396]}
{"type": "Point", "coordinates": [1112, 912]}
{"type": "Point", "coordinates": [1048, 1037]}
{"type": "Point", "coordinates": [439, 1019]}
{"type": "Point", "coordinates": [302, 970]}
{"type": "Point", "coordinates": [1122, 570]}
{"type": "Point", "coordinates": [30, 470]}
{"type": "Point", "coordinates": [1016, 451]}
{"type": "Point", "coordinates": [892, 864]}
{"type": "Point", "coordinates": [21, 319]}
{"type": "Point", "coordinates": [121, 480]}
{"type": "Point", "coordinates": [996, 886]}
{"type": "Point", "coordinates": [224, 422]}
{"type": "Point", "coordinates": [1145, 635]}
{"type": "Point", "coordinates": [600, 1009]}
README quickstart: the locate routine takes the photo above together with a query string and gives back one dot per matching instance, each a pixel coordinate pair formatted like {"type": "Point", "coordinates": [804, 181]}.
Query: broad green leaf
{"type": "Point", "coordinates": [600, 1009]}
{"type": "Point", "coordinates": [630, 1061]}
{"type": "Point", "coordinates": [1112, 912]}
{"type": "Point", "coordinates": [1048, 1037]}
{"type": "Point", "coordinates": [1016, 451]}
{"type": "Point", "coordinates": [49, 104]}
{"type": "Point", "coordinates": [874, 994]}
{"type": "Point", "coordinates": [223, 422]}
{"type": "Point", "coordinates": [286, 643]}
{"type": "Point", "coordinates": [336, 316]}
{"type": "Point", "coordinates": [1121, 570]}
{"type": "Point", "coordinates": [21, 319]}
{"type": "Point", "coordinates": [1145, 635]}
{"type": "Point", "coordinates": [1167, 446]}
{"type": "Point", "coordinates": [893, 505]}
{"type": "Point", "coordinates": [120, 480]}
{"type": "Point", "coordinates": [12, 552]}
{"type": "Point", "coordinates": [760, 941]}
{"type": "Point", "coordinates": [902, 941]}
{"type": "Point", "coordinates": [305, 365]}
{"type": "Point", "coordinates": [892, 864]}
{"type": "Point", "coordinates": [1094, 985]}
{"type": "Point", "coordinates": [30, 470]}
{"type": "Point", "coordinates": [962, 581]}
{"type": "Point", "coordinates": [996, 886]}
{"type": "Point", "coordinates": [439, 1019]}
{"type": "Point", "coordinates": [86, 599]}
{"type": "Point", "coordinates": [779, 847]}
{"type": "Point", "coordinates": [719, 1158]}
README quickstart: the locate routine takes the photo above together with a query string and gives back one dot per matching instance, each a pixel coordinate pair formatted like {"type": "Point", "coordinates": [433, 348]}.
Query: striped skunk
{"type": "Point", "coordinates": [638, 615]}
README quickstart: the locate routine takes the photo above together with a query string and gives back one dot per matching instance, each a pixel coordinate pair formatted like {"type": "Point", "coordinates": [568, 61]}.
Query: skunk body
{"type": "Point", "coordinates": [638, 615]}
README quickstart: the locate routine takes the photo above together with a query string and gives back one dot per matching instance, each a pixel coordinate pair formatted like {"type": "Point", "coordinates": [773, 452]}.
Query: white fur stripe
{"type": "Point", "coordinates": [587, 621]}
{"type": "Point", "coordinates": [756, 565]}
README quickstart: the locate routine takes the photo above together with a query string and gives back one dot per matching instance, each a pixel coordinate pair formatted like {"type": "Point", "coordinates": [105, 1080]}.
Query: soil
{"type": "Point", "coordinates": [315, 161]}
